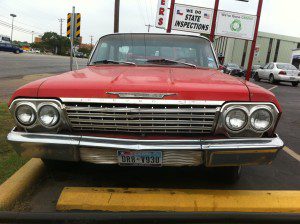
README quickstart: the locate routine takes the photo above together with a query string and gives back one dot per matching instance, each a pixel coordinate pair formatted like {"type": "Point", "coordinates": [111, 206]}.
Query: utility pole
{"type": "Point", "coordinates": [32, 32]}
{"type": "Point", "coordinates": [61, 20]}
{"type": "Point", "coordinates": [149, 27]}
{"type": "Point", "coordinates": [12, 26]}
{"type": "Point", "coordinates": [117, 16]}
{"type": "Point", "coordinates": [91, 42]}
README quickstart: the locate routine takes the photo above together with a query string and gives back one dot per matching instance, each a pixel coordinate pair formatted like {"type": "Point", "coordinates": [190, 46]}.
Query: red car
{"type": "Point", "coordinates": [148, 100]}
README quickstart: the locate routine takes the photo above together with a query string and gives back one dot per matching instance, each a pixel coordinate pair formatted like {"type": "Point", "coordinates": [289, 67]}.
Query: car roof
{"type": "Point", "coordinates": [164, 34]}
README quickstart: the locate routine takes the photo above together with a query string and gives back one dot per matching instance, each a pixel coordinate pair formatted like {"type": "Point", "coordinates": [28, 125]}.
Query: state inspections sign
{"type": "Point", "coordinates": [235, 25]}
{"type": "Point", "coordinates": [192, 19]}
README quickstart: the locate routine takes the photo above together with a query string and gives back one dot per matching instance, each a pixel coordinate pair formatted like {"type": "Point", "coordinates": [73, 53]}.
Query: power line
{"type": "Point", "coordinates": [23, 23]}
{"type": "Point", "coordinates": [5, 24]}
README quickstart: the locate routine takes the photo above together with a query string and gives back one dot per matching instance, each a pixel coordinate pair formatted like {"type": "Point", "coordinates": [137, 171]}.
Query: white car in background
{"type": "Point", "coordinates": [278, 72]}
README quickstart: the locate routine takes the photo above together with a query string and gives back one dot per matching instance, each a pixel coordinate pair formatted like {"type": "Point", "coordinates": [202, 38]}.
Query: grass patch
{"type": "Point", "coordinates": [10, 161]}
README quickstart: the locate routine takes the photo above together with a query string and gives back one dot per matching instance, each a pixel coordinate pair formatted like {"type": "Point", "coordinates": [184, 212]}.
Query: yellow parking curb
{"type": "Point", "coordinates": [18, 184]}
{"type": "Point", "coordinates": [184, 200]}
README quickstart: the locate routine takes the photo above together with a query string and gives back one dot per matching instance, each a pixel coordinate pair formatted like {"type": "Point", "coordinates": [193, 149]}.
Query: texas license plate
{"type": "Point", "coordinates": [140, 158]}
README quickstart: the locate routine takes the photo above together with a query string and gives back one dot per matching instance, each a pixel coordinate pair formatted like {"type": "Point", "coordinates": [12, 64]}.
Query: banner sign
{"type": "Point", "coordinates": [235, 25]}
{"type": "Point", "coordinates": [192, 19]}
{"type": "Point", "coordinates": [161, 14]}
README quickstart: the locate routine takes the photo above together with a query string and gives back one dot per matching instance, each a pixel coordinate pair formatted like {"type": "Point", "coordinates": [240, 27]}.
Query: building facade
{"type": "Point", "coordinates": [269, 48]}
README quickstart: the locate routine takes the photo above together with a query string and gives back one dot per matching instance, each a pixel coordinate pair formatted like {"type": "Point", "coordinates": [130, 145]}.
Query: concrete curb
{"type": "Point", "coordinates": [178, 200]}
{"type": "Point", "coordinates": [18, 184]}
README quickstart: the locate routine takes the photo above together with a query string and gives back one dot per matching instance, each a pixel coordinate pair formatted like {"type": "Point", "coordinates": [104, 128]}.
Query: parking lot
{"type": "Point", "coordinates": [283, 174]}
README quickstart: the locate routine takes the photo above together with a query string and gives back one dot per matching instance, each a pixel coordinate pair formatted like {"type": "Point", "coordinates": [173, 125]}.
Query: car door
{"type": "Point", "coordinates": [8, 47]}
{"type": "Point", "coordinates": [270, 70]}
{"type": "Point", "coordinates": [2, 47]}
{"type": "Point", "coordinates": [262, 72]}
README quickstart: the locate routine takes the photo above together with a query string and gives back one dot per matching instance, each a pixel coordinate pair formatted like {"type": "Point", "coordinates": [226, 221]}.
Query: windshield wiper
{"type": "Point", "coordinates": [113, 62]}
{"type": "Point", "coordinates": [164, 60]}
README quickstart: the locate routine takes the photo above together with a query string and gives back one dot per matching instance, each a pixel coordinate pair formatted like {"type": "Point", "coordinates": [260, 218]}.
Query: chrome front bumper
{"type": "Point", "coordinates": [211, 153]}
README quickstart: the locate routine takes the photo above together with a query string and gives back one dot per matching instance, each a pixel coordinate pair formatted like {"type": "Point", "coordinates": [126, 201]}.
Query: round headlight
{"type": "Point", "coordinates": [236, 119]}
{"type": "Point", "coordinates": [261, 120]}
{"type": "Point", "coordinates": [49, 115]}
{"type": "Point", "coordinates": [26, 115]}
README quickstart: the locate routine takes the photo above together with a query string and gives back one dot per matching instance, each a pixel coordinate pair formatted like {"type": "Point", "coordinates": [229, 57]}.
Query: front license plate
{"type": "Point", "coordinates": [292, 78]}
{"type": "Point", "coordinates": [139, 158]}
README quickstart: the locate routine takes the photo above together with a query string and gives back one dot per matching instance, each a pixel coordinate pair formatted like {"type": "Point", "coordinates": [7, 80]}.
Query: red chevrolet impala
{"type": "Point", "coordinates": [148, 100]}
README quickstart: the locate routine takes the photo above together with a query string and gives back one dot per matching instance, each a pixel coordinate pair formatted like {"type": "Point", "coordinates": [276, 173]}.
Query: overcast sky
{"type": "Point", "coordinates": [278, 16]}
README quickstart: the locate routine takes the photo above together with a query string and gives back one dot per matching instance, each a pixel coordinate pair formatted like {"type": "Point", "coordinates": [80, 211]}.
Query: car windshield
{"type": "Point", "coordinates": [286, 66]}
{"type": "Point", "coordinates": [155, 49]}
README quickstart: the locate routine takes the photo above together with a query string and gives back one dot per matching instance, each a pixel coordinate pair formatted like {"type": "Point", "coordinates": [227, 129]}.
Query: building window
{"type": "Point", "coordinates": [298, 45]}
{"type": "Point", "coordinates": [277, 51]}
{"type": "Point", "coordinates": [244, 53]}
{"type": "Point", "coordinates": [269, 51]}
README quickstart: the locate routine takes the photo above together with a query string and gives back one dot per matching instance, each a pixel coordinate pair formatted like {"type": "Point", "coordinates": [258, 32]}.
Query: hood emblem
{"type": "Point", "coordinates": [142, 95]}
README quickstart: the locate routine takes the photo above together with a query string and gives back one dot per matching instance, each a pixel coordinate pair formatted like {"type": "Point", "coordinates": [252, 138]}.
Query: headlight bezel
{"type": "Point", "coordinates": [230, 109]}
{"type": "Point", "coordinates": [254, 110]}
{"type": "Point", "coordinates": [39, 108]}
{"type": "Point", "coordinates": [16, 117]}
{"type": "Point", "coordinates": [36, 104]}
{"type": "Point", "coordinates": [248, 130]}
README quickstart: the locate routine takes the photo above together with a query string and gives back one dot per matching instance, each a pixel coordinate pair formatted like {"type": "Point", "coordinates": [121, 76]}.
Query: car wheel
{"type": "Point", "coordinates": [256, 77]}
{"type": "Point", "coordinates": [295, 84]}
{"type": "Point", "coordinates": [272, 79]}
{"type": "Point", "coordinates": [230, 174]}
{"type": "Point", "coordinates": [17, 52]}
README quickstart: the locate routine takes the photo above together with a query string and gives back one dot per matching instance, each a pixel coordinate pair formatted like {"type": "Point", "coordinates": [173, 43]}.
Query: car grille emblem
{"type": "Point", "coordinates": [142, 95]}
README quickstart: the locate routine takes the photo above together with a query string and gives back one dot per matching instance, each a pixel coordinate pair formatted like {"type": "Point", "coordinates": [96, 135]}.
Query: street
{"type": "Point", "coordinates": [283, 174]}
{"type": "Point", "coordinates": [17, 65]}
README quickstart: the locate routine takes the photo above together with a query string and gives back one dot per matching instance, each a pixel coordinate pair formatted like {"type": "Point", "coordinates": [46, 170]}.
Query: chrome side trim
{"type": "Point", "coordinates": [142, 101]}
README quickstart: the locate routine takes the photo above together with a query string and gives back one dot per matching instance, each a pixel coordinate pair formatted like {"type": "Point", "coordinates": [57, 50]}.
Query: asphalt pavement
{"type": "Point", "coordinates": [17, 65]}
{"type": "Point", "coordinates": [283, 174]}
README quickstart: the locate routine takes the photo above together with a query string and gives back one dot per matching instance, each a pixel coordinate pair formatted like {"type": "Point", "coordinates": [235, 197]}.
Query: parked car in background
{"type": "Point", "coordinates": [153, 100]}
{"type": "Point", "coordinates": [8, 47]}
{"type": "Point", "coordinates": [233, 69]}
{"type": "Point", "coordinates": [254, 69]}
{"type": "Point", "coordinates": [79, 55]}
{"type": "Point", "coordinates": [278, 72]}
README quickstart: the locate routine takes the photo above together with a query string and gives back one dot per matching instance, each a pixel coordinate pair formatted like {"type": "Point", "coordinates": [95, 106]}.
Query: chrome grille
{"type": "Point", "coordinates": [170, 157]}
{"type": "Point", "coordinates": [142, 118]}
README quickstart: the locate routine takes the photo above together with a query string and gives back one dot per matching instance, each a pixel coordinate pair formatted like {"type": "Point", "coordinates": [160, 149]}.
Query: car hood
{"type": "Point", "coordinates": [186, 83]}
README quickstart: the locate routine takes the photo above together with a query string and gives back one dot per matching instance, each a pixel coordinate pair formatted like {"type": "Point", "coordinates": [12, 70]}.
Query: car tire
{"type": "Point", "coordinates": [17, 52]}
{"type": "Point", "coordinates": [272, 79]}
{"type": "Point", "coordinates": [256, 77]}
{"type": "Point", "coordinates": [230, 174]}
{"type": "Point", "coordinates": [295, 84]}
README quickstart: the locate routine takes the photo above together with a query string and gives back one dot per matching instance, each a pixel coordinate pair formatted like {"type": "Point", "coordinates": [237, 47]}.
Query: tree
{"type": "Point", "coordinates": [54, 43]}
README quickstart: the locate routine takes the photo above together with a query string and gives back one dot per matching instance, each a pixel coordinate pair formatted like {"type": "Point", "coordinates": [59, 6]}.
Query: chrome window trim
{"type": "Point", "coordinates": [142, 101]}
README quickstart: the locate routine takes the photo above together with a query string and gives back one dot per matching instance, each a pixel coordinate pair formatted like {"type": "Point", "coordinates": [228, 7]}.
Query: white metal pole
{"type": "Point", "coordinates": [72, 37]}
